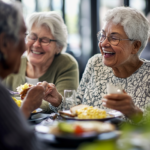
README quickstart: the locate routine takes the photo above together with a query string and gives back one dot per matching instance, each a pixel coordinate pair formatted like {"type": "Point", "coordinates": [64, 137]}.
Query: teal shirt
{"type": "Point", "coordinates": [63, 72]}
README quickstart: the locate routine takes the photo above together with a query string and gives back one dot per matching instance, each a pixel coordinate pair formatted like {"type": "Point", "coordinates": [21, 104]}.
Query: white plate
{"type": "Point", "coordinates": [110, 115]}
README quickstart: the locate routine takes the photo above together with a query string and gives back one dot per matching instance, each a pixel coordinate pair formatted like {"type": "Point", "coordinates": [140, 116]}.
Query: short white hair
{"type": "Point", "coordinates": [135, 24]}
{"type": "Point", "coordinates": [53, 22]}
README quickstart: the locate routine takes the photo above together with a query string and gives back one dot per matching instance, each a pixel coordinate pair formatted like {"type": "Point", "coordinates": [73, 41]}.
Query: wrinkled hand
{"type": "Point", "coordinates": [34, 98]}
{"type": "Point", "coordinates": [123, 103]}
{"type": "Point", "coordinates": [52, 95]}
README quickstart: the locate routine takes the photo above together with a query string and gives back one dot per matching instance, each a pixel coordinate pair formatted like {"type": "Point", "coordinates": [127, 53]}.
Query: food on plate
{"type": "Point", "coordinates": [85, 112]}
{"type": "Point", "coordinates": [19, 102]}
{"type": "Point", "coordinates": [23, 89]}
{"type": "Point", "coordinates": [74, 109]}
{"type": "Point", "coordinates": [81, 127]}
{"type": "Point", "coordinates": [91, 113]}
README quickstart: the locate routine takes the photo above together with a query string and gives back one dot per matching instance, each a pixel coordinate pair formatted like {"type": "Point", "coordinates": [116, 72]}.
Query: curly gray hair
{"type": "Point", "coordinates": [10, 19]}
{"type": "Point", "coordinates": [54, 22]}
{"type": "Point", "coordinates": [135, 24]}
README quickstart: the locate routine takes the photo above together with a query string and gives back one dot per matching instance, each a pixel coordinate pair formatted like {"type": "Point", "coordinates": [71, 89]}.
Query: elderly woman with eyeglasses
{"type": "Point", "coordinates": [121, 40]}
{"type": "Point", "coordinates": [46, 41]}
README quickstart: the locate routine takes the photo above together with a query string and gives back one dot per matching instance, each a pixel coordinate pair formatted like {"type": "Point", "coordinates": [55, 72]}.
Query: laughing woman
{"type": "Point", "coordinates": [121, 40]}
{"type": "Point", "coordinates": [46, 39]}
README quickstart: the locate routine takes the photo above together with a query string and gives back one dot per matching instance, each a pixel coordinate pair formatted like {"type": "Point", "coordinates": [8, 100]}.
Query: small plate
{"type": "Point", "coordinates": [38, 117]}
{"type": "Point", "coordinates": [110, 115]}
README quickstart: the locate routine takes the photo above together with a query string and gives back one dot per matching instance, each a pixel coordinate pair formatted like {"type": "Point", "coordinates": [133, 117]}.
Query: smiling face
{"type": "Point", "coordinates": [38, 54]}
{"type": "Point", "coordinates": [116, 56]}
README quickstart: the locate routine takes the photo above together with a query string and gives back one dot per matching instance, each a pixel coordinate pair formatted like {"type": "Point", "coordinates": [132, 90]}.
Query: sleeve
{"type": "Point", "coordinates": [14, 130]}
{"type": "Point", "coordinates": [68, 75]}
{"type": "Point", "coordinates": [84, 82]}
{"type": "Point", "coordinates": [81, 89]}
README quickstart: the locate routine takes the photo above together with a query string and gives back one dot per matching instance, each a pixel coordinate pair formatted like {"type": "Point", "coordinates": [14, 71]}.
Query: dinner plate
{"type": "Point", "coordinates": [110, 115]}
{"type": "Point", "coordinates": [68, 137]}
{"type": "Point", "coordinates": [71, 139]}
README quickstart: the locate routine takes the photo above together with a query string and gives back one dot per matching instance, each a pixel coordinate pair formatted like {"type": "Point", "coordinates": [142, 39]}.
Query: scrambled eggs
{"type": "Point", "coordinates": [23, 87]}
{"type": "Point", "coordinates": [18, 102]}
{"type": "Point", "coordinates": [91, 113]}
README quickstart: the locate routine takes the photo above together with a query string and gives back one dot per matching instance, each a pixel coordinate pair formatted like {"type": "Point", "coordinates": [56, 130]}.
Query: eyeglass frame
{"type": "Point", "coordinates": [39, 39]}
{"type": "Point", "coordinates": [108, 37]}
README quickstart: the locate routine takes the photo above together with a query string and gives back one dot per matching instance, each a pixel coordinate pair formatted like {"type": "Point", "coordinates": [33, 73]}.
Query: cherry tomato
{"type": "Point", "coordinates": [78, 129]}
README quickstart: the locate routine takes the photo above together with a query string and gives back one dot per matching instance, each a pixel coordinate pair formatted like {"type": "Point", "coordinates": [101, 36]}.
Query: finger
{"type": "Point", "coordinates": [44, 84]}
{"type": "Point", "coordinates": [117, 96]}
{"type": "Point", "coordinates": [116, 103]}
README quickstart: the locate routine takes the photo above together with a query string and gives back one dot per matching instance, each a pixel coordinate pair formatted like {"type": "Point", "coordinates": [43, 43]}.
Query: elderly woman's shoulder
{"type": "Point", "coordinates": [95, 58]}
{"type": "Point", "coordinates": [66, 58]}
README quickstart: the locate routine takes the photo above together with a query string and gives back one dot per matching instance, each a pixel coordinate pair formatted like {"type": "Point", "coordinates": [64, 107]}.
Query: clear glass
{"type": "Point", "coordinates": [69, 99]}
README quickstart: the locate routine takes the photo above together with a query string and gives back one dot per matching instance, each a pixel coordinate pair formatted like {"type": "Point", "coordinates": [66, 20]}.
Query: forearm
{"type": "Point", "coordinates": [137, 115]}
{"type": "Point", "coordinates": [25, 111]}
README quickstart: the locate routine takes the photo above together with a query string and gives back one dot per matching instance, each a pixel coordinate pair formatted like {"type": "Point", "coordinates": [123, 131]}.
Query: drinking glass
{"type": "Point", "coordinates": [69, 99]}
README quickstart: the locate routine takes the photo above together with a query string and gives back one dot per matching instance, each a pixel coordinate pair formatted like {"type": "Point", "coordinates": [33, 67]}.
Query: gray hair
{"type": "Point", "coordinates": [55, 24]}
{"type": "Point", "coordinates": [10, 20]}
{"type": "Point", "coordinates": [135, 24]}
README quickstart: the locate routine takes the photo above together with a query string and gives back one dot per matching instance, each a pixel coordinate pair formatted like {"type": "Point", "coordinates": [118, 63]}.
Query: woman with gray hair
{"type": "Point", "coordinates": [121, 40]}
{"type": "Point", "coordinates": [14, 129]}
{"type": "Point", "coordinates": [46, 40]}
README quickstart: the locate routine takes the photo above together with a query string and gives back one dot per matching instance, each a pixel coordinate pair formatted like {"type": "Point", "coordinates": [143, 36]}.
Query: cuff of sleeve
{"type": "Point", "coordinates": [59, 108]}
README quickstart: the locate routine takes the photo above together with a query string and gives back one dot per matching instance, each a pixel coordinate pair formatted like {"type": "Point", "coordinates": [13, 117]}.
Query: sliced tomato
{"type": "Point", "coordinates": [78, 129]}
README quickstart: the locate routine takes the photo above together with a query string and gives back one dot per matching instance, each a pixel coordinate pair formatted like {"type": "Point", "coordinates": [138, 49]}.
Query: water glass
{"type": "Point", "coordinates": [69, 99]}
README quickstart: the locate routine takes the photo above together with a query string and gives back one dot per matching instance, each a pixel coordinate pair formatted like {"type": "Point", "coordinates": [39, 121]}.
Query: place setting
{"type": "Point", "coordinates": [76, 128]}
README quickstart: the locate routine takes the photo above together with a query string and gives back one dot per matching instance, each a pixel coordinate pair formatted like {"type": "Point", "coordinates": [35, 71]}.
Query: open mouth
{"type": "Point", "coordinates": [37, 53]}
{"type": "Point", "coordinates": [106, 53]}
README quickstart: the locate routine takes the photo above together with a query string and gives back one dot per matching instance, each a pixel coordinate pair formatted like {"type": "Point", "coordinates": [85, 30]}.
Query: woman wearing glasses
{"type": "Point", "coordinates": [46, 40]}
{"type": "Point", "coordinates": [121, 40]}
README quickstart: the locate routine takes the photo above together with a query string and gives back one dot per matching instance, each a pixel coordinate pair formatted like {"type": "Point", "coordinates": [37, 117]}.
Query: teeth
{"type": "Point", "coordinates": [107, 52]}
{"type": "Point", "coordinates": [36, 52]}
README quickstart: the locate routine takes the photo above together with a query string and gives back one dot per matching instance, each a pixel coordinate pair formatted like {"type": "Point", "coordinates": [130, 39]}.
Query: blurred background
{"type": "Point", "coordinates": [84, 19]}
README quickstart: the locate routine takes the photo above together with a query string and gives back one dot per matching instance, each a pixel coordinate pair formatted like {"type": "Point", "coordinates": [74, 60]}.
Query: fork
{"type": "Point", "coordinates": [13, 93]}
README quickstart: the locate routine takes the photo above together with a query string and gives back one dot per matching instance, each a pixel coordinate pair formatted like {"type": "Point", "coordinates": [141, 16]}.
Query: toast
{"type": "Point", "coordinates": [72, 112]}
{"type": "Point", "coordinates": [74, 108]}
{"type": "Point", "coordinates": [23, 89]}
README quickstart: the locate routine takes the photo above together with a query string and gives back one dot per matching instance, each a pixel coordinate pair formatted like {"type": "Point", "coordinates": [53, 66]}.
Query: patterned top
{"type": "Point", "coordinates": [92, 87]}
{"type": "Point", "coordinates": [96, 76]}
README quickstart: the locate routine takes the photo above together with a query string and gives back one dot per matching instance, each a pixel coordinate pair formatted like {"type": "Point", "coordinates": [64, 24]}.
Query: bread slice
{"type": "Point", "coordinates": [74, 108]}
{"type": "Point", "coordinates": [66, 113]}
{"type": "Point", "coordinates": [23, 89]}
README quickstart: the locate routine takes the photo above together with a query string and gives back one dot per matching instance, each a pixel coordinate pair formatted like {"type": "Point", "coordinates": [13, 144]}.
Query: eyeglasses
{"type": "Point", "coordinates": [43, 41]}
{"type": "Point", "coordinates": [112, 39]}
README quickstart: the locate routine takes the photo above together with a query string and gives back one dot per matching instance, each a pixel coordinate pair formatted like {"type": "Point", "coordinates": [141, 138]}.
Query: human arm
{"type": "Point", "coordinates": [124, 104]}
{"type": "Point", "coordinates": [34, 98]}
{"type": "Point", "coordinates": [15, 132]}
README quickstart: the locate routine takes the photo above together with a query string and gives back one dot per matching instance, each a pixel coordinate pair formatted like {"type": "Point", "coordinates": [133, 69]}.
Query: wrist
{"type": "Point", "coordinates": [137, 116]}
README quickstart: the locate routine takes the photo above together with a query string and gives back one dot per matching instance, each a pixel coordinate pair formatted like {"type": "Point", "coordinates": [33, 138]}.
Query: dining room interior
{"type": "Point", "coordinates": [85, 127]}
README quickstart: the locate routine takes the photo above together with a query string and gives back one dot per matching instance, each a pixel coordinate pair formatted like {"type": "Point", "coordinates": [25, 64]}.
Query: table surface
{"type": "Point", "coordinates": [52, 143]}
